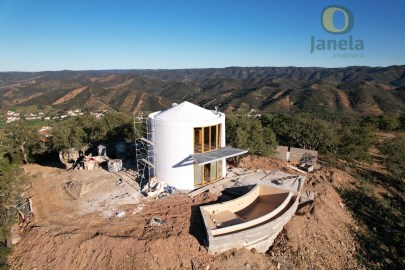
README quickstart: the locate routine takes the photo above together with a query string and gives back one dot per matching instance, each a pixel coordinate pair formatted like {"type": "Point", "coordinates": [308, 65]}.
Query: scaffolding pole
{"type": "Point", "coordinates": [145, 149]}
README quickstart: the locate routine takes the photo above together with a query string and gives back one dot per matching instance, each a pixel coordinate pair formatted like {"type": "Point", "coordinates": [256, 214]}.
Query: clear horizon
{"type": "Point", "coordinates": [70, 35]}
{"type": "Point", "coordinates": [122, 69]}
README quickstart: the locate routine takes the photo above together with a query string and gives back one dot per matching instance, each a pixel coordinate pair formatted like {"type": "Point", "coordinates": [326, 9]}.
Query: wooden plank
{"type": "Point", "coordinates": [306, 199]}
{"type": "Point", "coordinates": [200, 190]}
{"type": "Point", "coordinates": [295, 168]}
{"type": "Point", "coordinates": [148, 163]}
{"type": "Point", "coordinates": [147, 141]}
{"type": "Point", "coordinates": [125, 177]}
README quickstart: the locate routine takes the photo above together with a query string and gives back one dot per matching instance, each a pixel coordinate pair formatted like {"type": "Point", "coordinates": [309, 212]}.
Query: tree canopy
{"type": "Point", "coordinates": [81, 132]}
{"type": "Point", "coordinates": [332, 138]}
{"type": "Point", "coordinates": [394, 151]}
{"type": "Point", "coordinates": [249, 133]}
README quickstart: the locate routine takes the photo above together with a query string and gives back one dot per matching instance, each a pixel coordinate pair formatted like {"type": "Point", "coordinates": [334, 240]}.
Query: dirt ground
{"type": "Point", "coordinates": [322, 238]}
{"type": "Point", "coordinates": [74, 231]}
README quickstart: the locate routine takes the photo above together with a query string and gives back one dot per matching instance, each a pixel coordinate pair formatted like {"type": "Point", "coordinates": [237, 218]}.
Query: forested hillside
{"type": "Point", "coordinates": [365, 91]}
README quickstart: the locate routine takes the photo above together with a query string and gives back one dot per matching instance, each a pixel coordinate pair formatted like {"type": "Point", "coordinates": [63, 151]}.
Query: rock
{"type": "Point", "coordinates": [247, 266]}
{"type": "Point", "coordinates": [120, 214]}
{"type": "Point", "coordinates": [156, 222]}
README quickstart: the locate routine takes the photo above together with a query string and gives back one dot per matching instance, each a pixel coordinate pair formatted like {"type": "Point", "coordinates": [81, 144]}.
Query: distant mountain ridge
{"type": "Point", "coordinates": [353, 90]}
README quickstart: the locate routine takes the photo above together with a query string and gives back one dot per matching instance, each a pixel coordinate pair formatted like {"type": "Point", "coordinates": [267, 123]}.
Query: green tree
{"type": "Point", "coordinates": [10, 189]}
{"type": "Point", "coordinates": [311, 133]}
{"type": "Point", "coordinates": [84, 131]}
{"type": "Point", "coordinates": [394, 151]}
{"type": "Point", "coordinates": [355, 141]}
{"type": "Point", "coordinates": [280, 124]}
{"type": "Point", "coordinates": [302, 130]}
{"type": "Point", "coordinates": [370, 121]}
{"type": "Point", "coordinates": [68, 134]}
{"type": "Point", "coordinates": [344, 140]}
{"type": "Point", "coordinates": [249, 133]}
{"type": "Point", "coordinates": [389, 122]}
{"type": "Point", "coordinates": [119, 127]}
{"type": "Point", "coordinates": [24, 141]}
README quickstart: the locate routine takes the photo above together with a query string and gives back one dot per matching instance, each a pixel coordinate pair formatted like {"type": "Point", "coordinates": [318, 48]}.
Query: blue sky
{"type": "Point", "coordinates": [78, 35]}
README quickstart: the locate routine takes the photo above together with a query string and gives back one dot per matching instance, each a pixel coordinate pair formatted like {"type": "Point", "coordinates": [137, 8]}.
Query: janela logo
{"type": "Point", "coordinates": [329, 25]}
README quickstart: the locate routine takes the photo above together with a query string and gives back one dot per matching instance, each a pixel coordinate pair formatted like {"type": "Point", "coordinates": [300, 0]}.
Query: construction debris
{"type": "Point", "coordinates": [296, 155]}
{"type": "Point", "coordinates": [102, 150]}
{"type": "Point", "coordinates": [69, 157]}
{"type": "Point", "coordinates": [114, 165]}
{"type": "Point", "coordinates": [14, 237]}
{"type": "Point", "coordinates": [306, 203]}
{"type": "Point", "coordinates": [153, 188]}
{"type": "Point", "coordinates": [156, 222]}
{"type": "Point", "coordinates": [306, 167]}
{"type": "Point", "coordinates": [119, 182]}
{"type": "Point", "coordinates": [170, 189]}
{"type": "Point", "coordinates": [200, 190]}
{"type": "Point", "coordinates": [120, 214]}
{"type": "Point", "coordinates": [296, 169]}
{"type": "Point", "coordinates": [90, 163]}
{"type": "Point", "coordinates": [138, 208]}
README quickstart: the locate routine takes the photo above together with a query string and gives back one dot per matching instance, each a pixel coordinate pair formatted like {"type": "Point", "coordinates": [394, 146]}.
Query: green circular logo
{"type": "Point", "coordinates": [328, 23]}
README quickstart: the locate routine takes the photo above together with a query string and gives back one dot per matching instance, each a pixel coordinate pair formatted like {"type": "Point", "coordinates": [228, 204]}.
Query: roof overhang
{"type": "Point", "coordinates": [223, 153]}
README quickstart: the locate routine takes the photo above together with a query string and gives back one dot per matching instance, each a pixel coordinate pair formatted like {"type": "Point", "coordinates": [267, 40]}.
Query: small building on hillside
{"type": "Point", "coordinates": [188, 146]}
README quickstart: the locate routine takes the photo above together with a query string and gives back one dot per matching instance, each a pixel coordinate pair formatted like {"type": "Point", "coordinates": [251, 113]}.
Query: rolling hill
{"type": "Point", "coordinates": [351, 90]}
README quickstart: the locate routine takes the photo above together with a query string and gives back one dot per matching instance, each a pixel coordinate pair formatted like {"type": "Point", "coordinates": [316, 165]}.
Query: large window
{"type": "Point", "coordinates": [213, 139]}
{"type": "Point", "coordinates": [198, 178]}
{"type": "Point", "coordinates": [207, 138]}
{"type": "Point", "coordinates": [198, 139]}
{"type": "Point", "coordinates": [207, 173]}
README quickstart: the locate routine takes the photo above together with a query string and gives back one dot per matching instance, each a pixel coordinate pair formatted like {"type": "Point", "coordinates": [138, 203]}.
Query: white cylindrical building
{"type": "Point", "coordinates": [181, 133]}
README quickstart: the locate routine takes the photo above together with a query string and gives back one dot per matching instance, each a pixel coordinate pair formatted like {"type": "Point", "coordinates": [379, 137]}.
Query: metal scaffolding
{"type": "Point", "coordinates": [145, 149]}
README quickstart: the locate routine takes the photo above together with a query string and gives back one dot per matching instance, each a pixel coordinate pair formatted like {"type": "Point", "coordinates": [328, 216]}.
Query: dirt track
{"type": "Point", "coordinates": [62, 236]}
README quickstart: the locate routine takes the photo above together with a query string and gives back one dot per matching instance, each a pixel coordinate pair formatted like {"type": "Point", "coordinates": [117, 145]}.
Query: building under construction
{"type": "Point", "coordinates": [183, 146]}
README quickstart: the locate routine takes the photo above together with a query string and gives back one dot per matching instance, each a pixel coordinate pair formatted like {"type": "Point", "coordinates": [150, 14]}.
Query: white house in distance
{"type": "Point", "coordinates": [189, 146]}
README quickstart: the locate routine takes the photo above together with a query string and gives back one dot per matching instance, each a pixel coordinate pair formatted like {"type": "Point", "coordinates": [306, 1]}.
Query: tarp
{"type": "Point", "coordinates": [224, 152]}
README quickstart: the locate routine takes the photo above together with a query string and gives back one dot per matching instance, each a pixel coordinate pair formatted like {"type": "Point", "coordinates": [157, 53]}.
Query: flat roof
{"type": "Point", "coordinates": [224, 152]}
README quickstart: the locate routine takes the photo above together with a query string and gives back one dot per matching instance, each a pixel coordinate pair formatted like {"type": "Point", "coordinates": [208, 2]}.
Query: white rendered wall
{"type": "Point", "coordinates": [174, 145]}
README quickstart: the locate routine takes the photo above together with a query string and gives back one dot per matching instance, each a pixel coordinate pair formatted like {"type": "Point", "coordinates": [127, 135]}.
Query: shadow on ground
{"type": "Point", "coordinates": [381, 217]}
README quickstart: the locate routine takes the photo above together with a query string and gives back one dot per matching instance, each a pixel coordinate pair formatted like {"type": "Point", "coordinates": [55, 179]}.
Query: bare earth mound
{"type": "Point", "coordinates": [74, 231]}
{"type": "Point", "coordinates": [323, 238]}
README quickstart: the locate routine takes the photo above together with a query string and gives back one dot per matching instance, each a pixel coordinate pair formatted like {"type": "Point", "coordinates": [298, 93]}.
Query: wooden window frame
{"type": "Point", "coordinates": [217, 138]}
{"type": "Point", "coordinates": [201, 168]}
{"type": "Point", "coordinates": [217, 146]}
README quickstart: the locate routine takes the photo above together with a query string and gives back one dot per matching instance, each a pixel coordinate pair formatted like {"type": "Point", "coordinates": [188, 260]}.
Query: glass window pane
{"type": "Point", "coordinates": [206, 139]}
{"type": "Point", "coordinates": [198, 140]}
{"type": "Point", "coordinates": [219, 169]}
{"type": "Point", "coordinates": [213, 137]}
{"type": "Point", "coordinates": [213, 171]}
{"type": "Point", "coordinates": [207, 174]}
{"type": "Point", "coordinates": [219, 136]}
{"type": "Point", "coordinates": [197, 175]}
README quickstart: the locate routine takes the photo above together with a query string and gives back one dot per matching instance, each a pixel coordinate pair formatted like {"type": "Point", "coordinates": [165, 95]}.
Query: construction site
{"type": "Point", "coordinates": [186, 201]}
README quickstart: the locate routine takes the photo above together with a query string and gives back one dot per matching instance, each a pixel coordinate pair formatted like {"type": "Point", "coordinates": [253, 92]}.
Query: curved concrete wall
{"type": "Point", "coordinates": [174, 145]}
